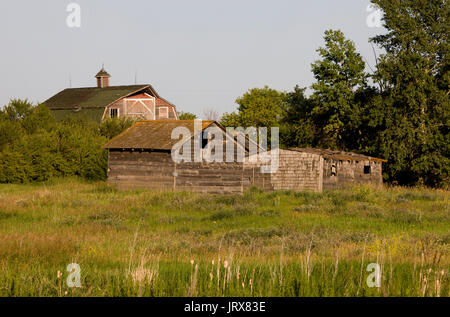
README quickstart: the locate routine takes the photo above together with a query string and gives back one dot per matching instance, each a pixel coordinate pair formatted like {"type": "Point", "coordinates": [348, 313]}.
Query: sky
{"type": "Point", "coordinates": [198, 54]}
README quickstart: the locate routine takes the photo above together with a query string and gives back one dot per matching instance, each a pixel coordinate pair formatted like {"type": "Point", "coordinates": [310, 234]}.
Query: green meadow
{"type": "Point", "coordinates": [150, 243]}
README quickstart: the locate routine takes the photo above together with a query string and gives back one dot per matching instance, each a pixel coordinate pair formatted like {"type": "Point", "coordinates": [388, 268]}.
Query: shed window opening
{"type": "Point", "coordinates": [113, 113]}
{"type": "Point", "coordinates": [204, 139]}
{"type": "Point", "coordinates": [333, 171]}
{"type": "Point", "coordinates": [367, 169]}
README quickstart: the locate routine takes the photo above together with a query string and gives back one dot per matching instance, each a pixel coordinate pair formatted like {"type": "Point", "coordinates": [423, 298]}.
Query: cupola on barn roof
{"type": "Point", "coordinates": [102, 73]}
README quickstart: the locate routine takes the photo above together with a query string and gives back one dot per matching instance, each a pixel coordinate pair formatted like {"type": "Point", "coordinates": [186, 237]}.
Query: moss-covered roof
{"type": "Point", "coordinates": [91, 97]}
{"type": "Point", "coordinates": [152, 134]}
{"type": "Point", "coordinates": [91, 114]}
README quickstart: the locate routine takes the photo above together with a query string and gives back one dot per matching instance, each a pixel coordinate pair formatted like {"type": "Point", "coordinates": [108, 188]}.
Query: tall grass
{"type": "Point", "coordinates": [149, 243]}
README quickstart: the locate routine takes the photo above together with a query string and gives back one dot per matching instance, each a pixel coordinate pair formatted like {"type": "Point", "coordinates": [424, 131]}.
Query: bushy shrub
{"type": "Point", "coordinates": [34, 147]}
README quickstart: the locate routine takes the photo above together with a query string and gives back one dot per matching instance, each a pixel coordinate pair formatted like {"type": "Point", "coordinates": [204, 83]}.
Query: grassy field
{"type": "Point", "coordinates": [144, 243]}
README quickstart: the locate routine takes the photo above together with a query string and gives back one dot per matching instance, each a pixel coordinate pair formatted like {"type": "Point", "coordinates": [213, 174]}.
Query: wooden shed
{"type": "Point", "coordinates": [141, 157]}
{"type": "Point", "coordinates": [321, 169]}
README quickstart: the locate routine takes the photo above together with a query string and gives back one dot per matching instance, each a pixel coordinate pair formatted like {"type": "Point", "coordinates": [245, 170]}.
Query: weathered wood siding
{"type": "Point", "coordinates": [210, 177]}
{"type": "Point", "coordinates": [342, 173]}
{"type": "Point", "coordinates": [134, 169]}
{"type": "Point", "coordinates": [298, 171]}
{"type": "Point", "coordinates": [147, 169]}
{"type": "Point", "coordinates": [254, 178]}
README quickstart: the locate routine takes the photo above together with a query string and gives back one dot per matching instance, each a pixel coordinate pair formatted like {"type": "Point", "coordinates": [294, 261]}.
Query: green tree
{"type": "Point", "coordinates": [34, 147]}
{"type": "Point", "coordinates": [297, 128]}
{"type": "Point", "coordinates": [230, 120]}
{"type": "Point", "coordinates": [339, 77]}
{"type": "Point", "coordinates": [40, 117]}
{"type": "Point", "coordinates": [10, 131]}
{"type": "Point", "coordinates": [414, 76]}
{"type": "Point", "coordinates": [186, 116]}
{"type": "Point", "coordinates": [112, 127]}
{"type": "Point", "coordinates": [258, 107]}
{"type": "Point", "coordinates": [20, 117]}
{"type": "Point", "coordinates": [17, 109]}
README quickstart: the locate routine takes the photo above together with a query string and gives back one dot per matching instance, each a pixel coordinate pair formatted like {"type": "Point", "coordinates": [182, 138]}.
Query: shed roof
{"type": "Point", "coordinates": [152, 134]}
{"type": "Point", "coordinates": [338, 155]}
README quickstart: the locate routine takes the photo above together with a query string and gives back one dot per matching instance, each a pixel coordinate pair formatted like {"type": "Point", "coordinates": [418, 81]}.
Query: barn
{"type": "Point", "coordinates": [102, 102]}
{"type": "Point", "coordinates": [141, 157]}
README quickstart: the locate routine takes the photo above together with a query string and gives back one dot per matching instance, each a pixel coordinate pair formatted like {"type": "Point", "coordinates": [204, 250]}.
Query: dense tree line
{"type": "Point", "coordinates": [400, 112]}
{"type": "Point", "coordinates": [35, 147]}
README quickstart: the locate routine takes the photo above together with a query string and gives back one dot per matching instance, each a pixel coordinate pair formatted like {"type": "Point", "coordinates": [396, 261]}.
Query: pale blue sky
{"type": "Point", "coordinates": [198, 54]}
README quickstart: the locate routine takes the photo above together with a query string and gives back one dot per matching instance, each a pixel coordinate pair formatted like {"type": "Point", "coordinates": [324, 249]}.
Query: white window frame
{"type": "Point", "coordinates": [167, 112]}
{"type": "Point", "coordinates": [118, 112]}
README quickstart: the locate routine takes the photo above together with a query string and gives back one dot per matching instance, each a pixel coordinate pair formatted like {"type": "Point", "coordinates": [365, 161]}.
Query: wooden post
{"type": "Point", "coordinates": [321, 162]}
{"type": "Point", "coordinates": [175, 174]}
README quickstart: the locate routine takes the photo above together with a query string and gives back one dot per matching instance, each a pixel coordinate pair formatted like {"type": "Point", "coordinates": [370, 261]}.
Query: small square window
{"type": "Point", "coordinates": [367, 169]}
{"type": "Point", "coordinates": [163, 112]}
{"type": "Point", "coordinates": [113, 113]}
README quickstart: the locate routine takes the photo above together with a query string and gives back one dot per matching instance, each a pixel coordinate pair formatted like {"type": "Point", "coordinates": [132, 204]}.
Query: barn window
{"type": "Point", "coordinates": [113, 113]}
{"type": "Point", "coordinates": [367, 169]}
{"type": "Point", "coordinates": [333, 171]}
{"type": "Point", "coordinates": [163, 112]}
